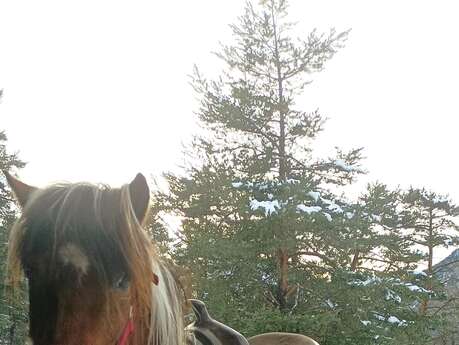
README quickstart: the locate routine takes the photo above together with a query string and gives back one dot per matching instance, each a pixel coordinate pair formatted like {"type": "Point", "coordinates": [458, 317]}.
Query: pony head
{"type": "Point", "coordinates": [91, 268]}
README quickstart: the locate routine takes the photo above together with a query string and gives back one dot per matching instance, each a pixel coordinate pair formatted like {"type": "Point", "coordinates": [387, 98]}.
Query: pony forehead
{"type": "Point", "coordinates": [71, 195]}
{"type": "Point", "coordinates": [73, 205]}
{"type": "Point", "coordinates": [81, 224]}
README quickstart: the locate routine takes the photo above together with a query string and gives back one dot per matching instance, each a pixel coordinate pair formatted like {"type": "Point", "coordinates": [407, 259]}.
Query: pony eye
{"type": "Point", "coordinates": [27, 272]}
{"type": "Point", "coordinates": [122, 282]}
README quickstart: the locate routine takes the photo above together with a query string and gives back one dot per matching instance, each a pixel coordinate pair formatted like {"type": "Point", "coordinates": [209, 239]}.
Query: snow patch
{"type": "Point", "coordinates": [330, 304]}
{"type": "Point", "coordinates": [440, 199]}
{"type": "Point", "coordinates": [369, 281]}
{"type": "Point", "coordinates": [329, 218]}
{"type": "Point", "coordinates": [415, 288]}
{"type": "Point", "coordinates": [395, 320]}
{"type": "Point", "coordinates": [343, 165]}
{"type": "Point", "coordinates": [314, 195]}
{"type": "Point", "coordinates": [335, 208]}
{"type": "Point", "coordinates": [391, 295]}
{"type": "Point", "coordinates": [376, 218]}
{"type": "Point", "coordinates": [270, 206]}
{"type": "Point", "coordinates": [349, 215]}
{"type": "Point", "coordinates": [308, 209]}
{"type": "Point", "coordinates": [379, 317]}
{"type": "Point", "coordinates": [419, 272]}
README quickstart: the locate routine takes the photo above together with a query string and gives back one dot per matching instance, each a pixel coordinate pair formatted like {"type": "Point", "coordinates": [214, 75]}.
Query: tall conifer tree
{"type": "Point", "coordinates": [13, 317]}
{"type": "Point", "coordinates": [270, 244]}
{"type": "Point", "coordinates": [253, 127]}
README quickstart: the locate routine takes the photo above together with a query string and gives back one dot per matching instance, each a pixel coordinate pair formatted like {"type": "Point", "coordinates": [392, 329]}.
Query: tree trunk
{"type": "Point", "coordinates": [283, 278]}
{"type": "Point", "coordinates": [355, 261]}
{"type": "Point", "coordinates": [424, 304]}
{"type": "Point", "coordinates": [283, 256]}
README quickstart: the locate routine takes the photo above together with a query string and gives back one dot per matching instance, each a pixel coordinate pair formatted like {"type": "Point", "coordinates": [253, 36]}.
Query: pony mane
{"type": "Point", "coordinates": [101, 222]}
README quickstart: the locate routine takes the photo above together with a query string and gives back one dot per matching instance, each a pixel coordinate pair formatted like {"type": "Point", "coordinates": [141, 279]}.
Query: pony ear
{"type": "Point", "coordinates": [21, 190]}
{"type": "Point", "coordinates": [140, 196]}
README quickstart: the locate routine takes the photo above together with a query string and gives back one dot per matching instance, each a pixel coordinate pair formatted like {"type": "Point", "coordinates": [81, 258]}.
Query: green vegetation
{"type": "Point", "coordinates": [272, 240]}
{"type": "Point", "coordinates": [13, 308]}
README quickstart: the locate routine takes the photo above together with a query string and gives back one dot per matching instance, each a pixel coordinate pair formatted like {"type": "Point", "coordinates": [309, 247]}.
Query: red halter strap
{"type": "Point", "coordinates": [127, 331]}
{"type": "Point", "coordinates": [129, 328]}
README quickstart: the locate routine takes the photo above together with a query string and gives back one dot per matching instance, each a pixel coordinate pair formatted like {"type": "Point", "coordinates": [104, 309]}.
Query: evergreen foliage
{"type": "Point", "coordinates": [271, 244]}
{"type": "Point", "coordinates": [13, 308]}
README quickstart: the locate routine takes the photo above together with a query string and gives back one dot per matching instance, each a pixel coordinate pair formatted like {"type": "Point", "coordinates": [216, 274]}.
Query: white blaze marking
{"type": "Point", "coordinates": [71, 254]}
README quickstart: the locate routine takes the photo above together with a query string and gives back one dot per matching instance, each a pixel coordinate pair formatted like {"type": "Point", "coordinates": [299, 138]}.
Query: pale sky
{"type": "Point", "coordinates": [97, 90]}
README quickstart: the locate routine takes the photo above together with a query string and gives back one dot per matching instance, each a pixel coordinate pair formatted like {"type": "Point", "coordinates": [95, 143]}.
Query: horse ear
{"type": "Point", "coordinates": [21, 190]}
{"type": "Point", "coordinates": [140, 196]}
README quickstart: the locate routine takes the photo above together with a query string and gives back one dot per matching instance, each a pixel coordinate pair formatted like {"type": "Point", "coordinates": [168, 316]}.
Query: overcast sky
{"type": "Point", "coordinates": [98, 90]}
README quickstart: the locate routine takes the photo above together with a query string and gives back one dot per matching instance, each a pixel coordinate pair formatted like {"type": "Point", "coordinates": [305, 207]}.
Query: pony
{"type": "Point", "coordinates": [207, 331]}
{"type": "Point", "coordinates": [280, 338]}
{"type": "Point", "coordinates": [94, 276]}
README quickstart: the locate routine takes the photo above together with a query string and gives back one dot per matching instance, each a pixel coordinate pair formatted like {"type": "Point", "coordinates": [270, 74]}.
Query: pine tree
{"type": "Point", "coordinates": [429, 222]}
{"type": "Point", "coordinates": [270, 243]}
{"type": "Point", "coordinates": [378, 232]}
{"type": "Point", "coordinates": [257, 196]}
{"type": "Point", "coordinates": [254, 128]}
{"type": "Point", "coordinates": [13, 316]}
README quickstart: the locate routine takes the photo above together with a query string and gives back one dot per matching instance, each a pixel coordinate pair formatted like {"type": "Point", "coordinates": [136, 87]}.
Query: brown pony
{"type": "Point", "coordinates": [94, 276]}
{"type": "Point", "coordinates": [207, 331]}
{"type": "Point", "coordinates": [279, 338]}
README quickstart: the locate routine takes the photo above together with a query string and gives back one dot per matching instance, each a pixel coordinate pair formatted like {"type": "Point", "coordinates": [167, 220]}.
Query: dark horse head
{"type": "Point", "coordinates": [91, 268]}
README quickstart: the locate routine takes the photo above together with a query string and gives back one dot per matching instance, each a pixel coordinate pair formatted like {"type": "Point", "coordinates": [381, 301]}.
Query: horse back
{"type": "Point", "coordinates": [278, 338]}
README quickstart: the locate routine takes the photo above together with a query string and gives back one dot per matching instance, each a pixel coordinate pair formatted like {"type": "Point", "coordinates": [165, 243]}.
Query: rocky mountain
{"type": "Point", "coordinates": [447, 271]}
